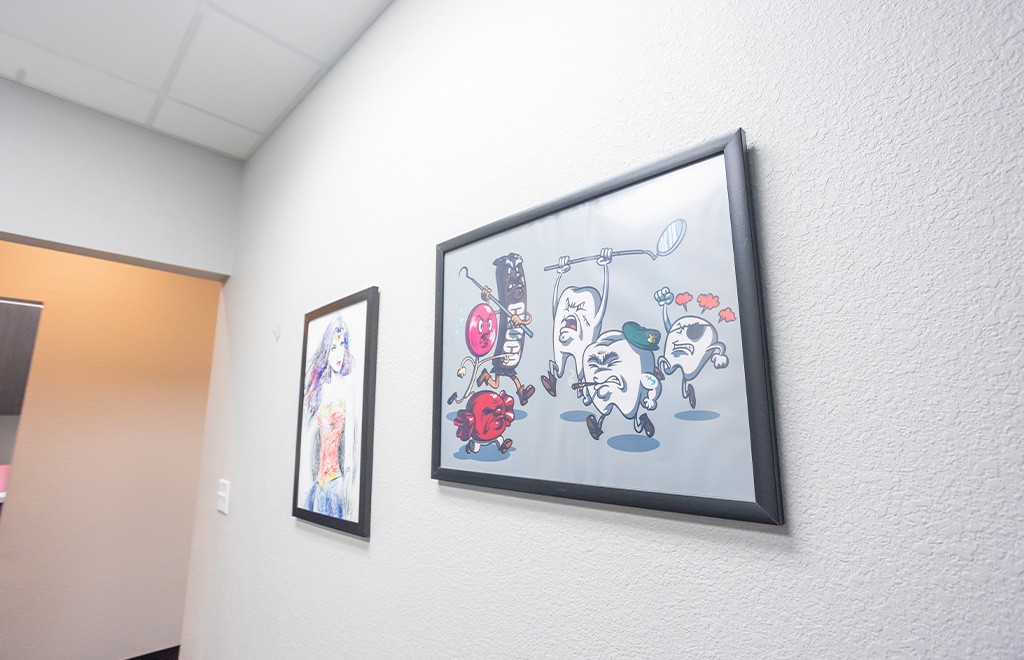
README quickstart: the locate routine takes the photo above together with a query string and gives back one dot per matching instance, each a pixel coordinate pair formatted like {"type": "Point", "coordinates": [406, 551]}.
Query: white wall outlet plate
{"type": "Point", "coordinates": [223, 486]}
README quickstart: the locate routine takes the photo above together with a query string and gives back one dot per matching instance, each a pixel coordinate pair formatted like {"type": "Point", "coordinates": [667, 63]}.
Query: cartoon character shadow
{"type": "Point", "coordinates": [619, 373]}
{"type": "Point", "coordinates": [690, 343]}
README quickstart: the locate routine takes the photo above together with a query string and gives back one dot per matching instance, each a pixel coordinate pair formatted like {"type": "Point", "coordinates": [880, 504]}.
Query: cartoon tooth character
{"type": "Point", "coordinates": [481, 334]}
{"type": "Point", "coordinates": [578, 313]}
{"type": "Point", "coordinates": [484, 419]}
{"type": "Point", "coordinates": [690, 342]}
{"type": "Point", "coordinates": [510, 287]}
{"type": "Point", "coordinates": [619, 373]}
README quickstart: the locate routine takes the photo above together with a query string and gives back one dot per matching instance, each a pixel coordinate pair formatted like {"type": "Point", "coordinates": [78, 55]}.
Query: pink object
{"type": "Point", "coordinates": [707, 301]}
{"type": "Point", "coordinates": [4, 471]}
{"type": "Point", "coordinates": [480, 329]}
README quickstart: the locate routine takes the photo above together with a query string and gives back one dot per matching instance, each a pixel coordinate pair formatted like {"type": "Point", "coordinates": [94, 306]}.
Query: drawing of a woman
{"type": "Point", "coordinates": [330, 420]}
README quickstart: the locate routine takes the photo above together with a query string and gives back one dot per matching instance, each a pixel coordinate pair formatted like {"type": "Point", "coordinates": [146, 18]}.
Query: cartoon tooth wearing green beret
{"type": "Point", "coordinates": [618, 371]}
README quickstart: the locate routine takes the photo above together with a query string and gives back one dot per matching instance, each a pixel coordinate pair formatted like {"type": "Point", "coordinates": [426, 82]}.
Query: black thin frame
{"type": "Point", "coordinates": [361, 528]}
{"type": "Point", "coordinates": [767, 507]}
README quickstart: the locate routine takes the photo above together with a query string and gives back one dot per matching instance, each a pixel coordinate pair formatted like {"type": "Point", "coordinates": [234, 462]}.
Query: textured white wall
{"type": "Point", "coordinates": [72, 176]}
{"type": "Point", "coordinates": [886, 145]}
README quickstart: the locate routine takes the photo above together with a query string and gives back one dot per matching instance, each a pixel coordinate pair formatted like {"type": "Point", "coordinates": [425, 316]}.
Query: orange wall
{"type": "Point", "coordinates": [96, 531]}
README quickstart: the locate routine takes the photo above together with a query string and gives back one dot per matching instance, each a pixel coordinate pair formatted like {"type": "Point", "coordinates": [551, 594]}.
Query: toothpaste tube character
{"type": "Point", "coordinates": [690, 342]}
{"type": "Point", "coordinates": [510, 288]}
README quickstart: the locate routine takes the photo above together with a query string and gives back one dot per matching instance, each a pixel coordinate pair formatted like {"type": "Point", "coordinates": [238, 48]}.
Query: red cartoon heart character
{"type": "Point", "coordinates": [486, 416]}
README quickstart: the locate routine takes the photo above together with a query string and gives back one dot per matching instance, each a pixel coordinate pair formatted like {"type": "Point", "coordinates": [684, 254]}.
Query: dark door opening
{"type": "Point", "coordinates": [19, 321]}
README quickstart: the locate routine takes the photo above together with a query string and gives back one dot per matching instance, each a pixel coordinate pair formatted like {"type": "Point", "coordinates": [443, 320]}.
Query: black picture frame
{"type": "Point", "coordinates": [551, 443]}
{"type": "Point", "coordinates": [328, 475]}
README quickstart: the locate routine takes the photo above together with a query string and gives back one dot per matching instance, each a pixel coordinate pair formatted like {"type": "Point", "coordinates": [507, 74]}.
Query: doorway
{"type": "Point", "coordinates": [19, 321]}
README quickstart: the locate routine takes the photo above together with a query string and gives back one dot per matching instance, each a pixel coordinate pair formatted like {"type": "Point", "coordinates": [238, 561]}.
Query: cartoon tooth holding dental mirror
{"type": "Point", "coordinates": [578, 311]}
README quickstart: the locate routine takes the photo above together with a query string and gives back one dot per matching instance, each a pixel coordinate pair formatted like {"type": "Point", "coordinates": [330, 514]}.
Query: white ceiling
{"type": "Point", "coordinates": [221, 74]}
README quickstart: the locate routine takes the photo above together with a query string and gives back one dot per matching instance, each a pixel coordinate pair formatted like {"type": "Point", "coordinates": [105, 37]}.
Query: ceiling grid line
{"type": "Point", "coordinates": [57, 53]}
{"type": "Point", "coordinates": [206, 112]}
{"type": "Point", "coordinates": [220, 74]}
{"type": "Point", "coordinates": [179, 57]}
{"type": "Point", "coordinates": [264, 33]}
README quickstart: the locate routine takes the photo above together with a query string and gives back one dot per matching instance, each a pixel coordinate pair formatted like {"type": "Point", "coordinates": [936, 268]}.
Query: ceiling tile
{"type": "Point", "coordinates": [132, 39]}
{"type": "Point", "coordinates": [205, 130]}
{"type": "Point", "coordinates": [319, 28]}
{"type": "Point", "coordinates": [237, 73]}
{"type": "Point", "coordinates": [51, 73]}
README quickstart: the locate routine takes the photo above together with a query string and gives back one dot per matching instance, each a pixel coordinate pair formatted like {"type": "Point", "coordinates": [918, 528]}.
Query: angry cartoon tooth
{"type": "Point", "coordinates": [694, 343]}
{"type": "Point", "coordinates": [578, 313]}
{"type": "Point", "coordinates": [679, 349]}
{"type": "Point", "coordinates": [618, 372]}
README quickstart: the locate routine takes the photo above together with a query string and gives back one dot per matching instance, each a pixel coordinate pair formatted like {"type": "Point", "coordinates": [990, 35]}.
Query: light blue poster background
{"type": "Point", "coordinates": [700, 452]}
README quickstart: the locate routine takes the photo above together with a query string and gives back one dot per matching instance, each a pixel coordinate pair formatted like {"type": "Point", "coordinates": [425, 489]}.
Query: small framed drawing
{"type": "Point", "coordinates": [334, 447]}
{"type": "Point", "coordinates": [610, 346]}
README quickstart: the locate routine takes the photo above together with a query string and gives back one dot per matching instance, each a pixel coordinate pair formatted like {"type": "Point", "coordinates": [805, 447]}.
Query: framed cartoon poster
{"type": "Point", "coordinates": [610, 346]}
{"type": "Point", "coordinates": [334, 446]}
